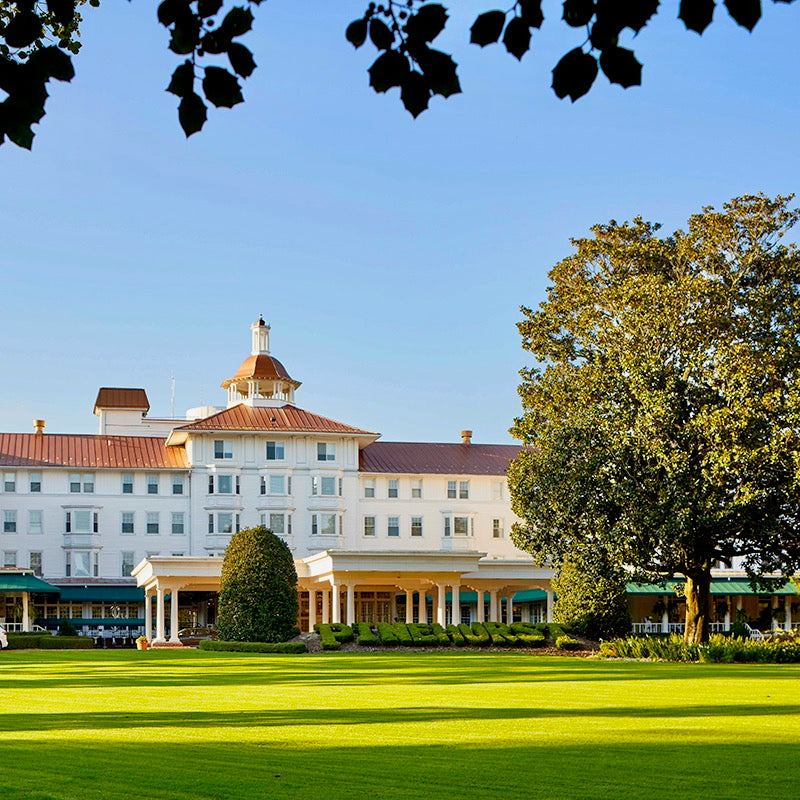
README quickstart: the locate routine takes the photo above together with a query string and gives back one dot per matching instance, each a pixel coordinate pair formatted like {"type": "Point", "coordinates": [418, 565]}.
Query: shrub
{"type": "Point", "coordinates": [403, 634]}
{"type": "Point", "coordinates": [65, 643]}
{"type": "Point", "coordinates": [258, 589]}
{"type": "Point", "coordinates": [501, 634]}
{"type": "Point", "coordinates": [591, 598]}
{"type": "Point", "coordinates": [365, 635]}
{"type": "Point", "coordinates": [66, 628]}
{"type": "Point", "coordinates": [422, 635]}
{"type": "Point", "coordinates": [567, 643]}
{"type": "Point", "coordinates": [387, 634]}
{"type": "Point", "coordinates": [528, 634]}
{"type": "Point", "coordinates": [456, 635]}
{"type": "Point", "coordinates": [441, 635]}
{"type": "Point", "coordinates": [475, 634]}
{"type": "Point", "coordinates": [665, 648]}
{"type": "Point", "coordinates": [332, 635]}
{"type": "Point", "coordinates": [253, 647]}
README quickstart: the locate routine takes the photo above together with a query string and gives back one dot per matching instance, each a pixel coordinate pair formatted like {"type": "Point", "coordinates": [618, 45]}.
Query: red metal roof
{"type": "Point", "coordinates": [259, 366]}
{"type": "Point", "coordinates": [439, 459]}
{"type": "Point", "coordinates": [110, 397]}
{"type": "Point", "coordinates": [88, 451]}
{"type": "Point", "coordinates": [284, 418]}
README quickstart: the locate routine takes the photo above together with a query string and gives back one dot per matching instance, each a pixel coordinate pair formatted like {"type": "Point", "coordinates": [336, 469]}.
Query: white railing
{"type": "Point", "coordinates": [16, 627]}
{"type": "Point", "coordinates": [646, 627]}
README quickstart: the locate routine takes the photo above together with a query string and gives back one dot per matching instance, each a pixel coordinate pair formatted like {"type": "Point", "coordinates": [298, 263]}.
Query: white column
{"type": "Point", "coordinates": [336, 612]}
{"type": "Point", "coordinates": [422, 609]}
{"type": "Point", "coordinates": [148, 615]}
{"type": "Point", "coordinates": [312, 610]}
{"type": "Point", "coordinates": [441, 605]}
{"type": "Point", "coordinates": [326, 606]}
{"type": "Point", "coordinates": [787, 613]}
{"type": "Point", "coordinates": [455, 604]}
{"type": "Point", "coordinates": [160, 637]}
{"type": "Point", "coordinates": [351, 604]}
{"type": "Point", "coordinates": [493, 612]}
{"type": "Point", "coordinates": [26, 620]}
{"type": "Point", "coordinates": [774, 623]}
{"type": "Point", "coordinates": [173, 617]}
{"type": "Point", "coordinates": [409, 606]}
{"type": "Point", "coordinates": [665, 621]}
{"type": "Point", "coordinates": [510, 609]}
{"type": "Point", "coordinates": [727, 622]}
{"type": "Point", "coordinates": [393, 612]}
{"type": "Point", "coordinates": [479, 610]}
{"type": "Point", "coordinates": [549, 593]}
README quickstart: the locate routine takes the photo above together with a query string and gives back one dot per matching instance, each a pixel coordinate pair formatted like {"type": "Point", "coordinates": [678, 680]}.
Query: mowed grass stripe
{"type": "Point", "coordinates": [217, 725]}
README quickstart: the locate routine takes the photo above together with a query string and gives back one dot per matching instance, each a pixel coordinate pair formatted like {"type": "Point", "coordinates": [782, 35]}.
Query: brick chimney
{"type": "Point", "coordinates": [466, 437]}
{"type": "Point", "coordinates": [38, 427]}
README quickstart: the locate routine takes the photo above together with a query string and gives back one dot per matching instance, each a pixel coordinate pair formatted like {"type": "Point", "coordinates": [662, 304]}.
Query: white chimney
{"type": "Point", "coordinates": [38, 427]}
{"type": "Point", "coordinates": [466, 437]}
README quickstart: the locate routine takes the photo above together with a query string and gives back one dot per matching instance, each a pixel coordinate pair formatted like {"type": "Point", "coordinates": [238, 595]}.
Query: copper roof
{"type": "Point", "coordinates": [109, 397]}
{"type": "Point", "coordinates": [88, 451]}
{"type": "Point", "coordinates": [259, 367]}
{"type": "Point", "coordinates": [284, 418]}
{"type": "Point", "coordinates": [439, 459]}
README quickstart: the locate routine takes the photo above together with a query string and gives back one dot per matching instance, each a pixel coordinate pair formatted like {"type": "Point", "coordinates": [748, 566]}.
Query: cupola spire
{"type": "Point", "coordinates": [260, 331]}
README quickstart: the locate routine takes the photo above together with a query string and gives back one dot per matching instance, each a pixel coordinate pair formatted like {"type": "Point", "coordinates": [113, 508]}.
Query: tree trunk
{"type": "Point", "coordinates": [698, 596]}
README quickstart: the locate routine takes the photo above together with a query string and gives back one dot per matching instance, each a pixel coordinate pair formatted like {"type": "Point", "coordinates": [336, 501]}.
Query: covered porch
{"type": "Point", "coordinates": [17, 587]}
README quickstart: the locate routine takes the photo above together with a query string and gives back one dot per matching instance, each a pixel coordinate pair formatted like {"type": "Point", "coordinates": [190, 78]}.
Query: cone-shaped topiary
{"type": "Point", "coordinates": [258, 593]}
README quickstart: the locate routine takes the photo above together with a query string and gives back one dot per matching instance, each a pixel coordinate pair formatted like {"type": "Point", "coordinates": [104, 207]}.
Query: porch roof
{"type": "Point", "coordinates": [22, 582]}
{"type": "Point", "coordinates": [108, 594]}
{"type": "Point", "coordinates": [722, 586]}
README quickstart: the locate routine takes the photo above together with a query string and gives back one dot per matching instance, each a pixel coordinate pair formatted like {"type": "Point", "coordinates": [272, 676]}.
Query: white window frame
{"type": "Point", "coordinates": [153, 482]}
{"type": "Point", "coordinates": [417, 524]}
{"type": "Point", "coordinates": [326, 451]}
{"type": "Point", "coordinates": [369, 488]}
{"type": "Point", "coordinates": [178, 520]}
{"type": "Point", "coordinates": [32, 524]}
{"type": "Point", "coordinates": [393, 526]}
{"type": "Point", "coordinates": [368, 527]}
{"type": "Point", "coordinates": [35, 482]}
{"type": "Point", "coordinates": [178, 483]}
{"type": "Point", "coordinates": [224, 450]}
{"type": "Point", "coordinates": [123, 561]}
{"type": "Point", "coordinates": [278, 450]}
{"type": "Point", "coordinates": [153, 524]}
{"type": "Point", "coordinates": [416, 489]}
{"type": "Point", "coordinates": [498, 529]}
{"type": "Point", "coordinates": [393, 488]}
{"type": "Point", "coordinates": [10, 482]}
{"type": "Point", "coordinates": [128, 480]}
{"type": "Point", "coordinates": [123, 522]}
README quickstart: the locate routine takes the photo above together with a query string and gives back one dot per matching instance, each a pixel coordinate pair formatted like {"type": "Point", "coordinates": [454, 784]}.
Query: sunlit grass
{"type": "Point", "coordinates": [122, 724]}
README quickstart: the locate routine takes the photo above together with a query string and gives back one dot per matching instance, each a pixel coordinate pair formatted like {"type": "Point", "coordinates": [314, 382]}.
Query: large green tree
{"type": "Point", "coordinates": [38, 37]}
{"type": "Point", "coordinates": [663, 415]}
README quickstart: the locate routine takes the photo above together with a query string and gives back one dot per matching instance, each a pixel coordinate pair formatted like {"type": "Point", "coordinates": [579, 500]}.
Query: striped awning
{"type": "Point", "coordinates": [718, 587]}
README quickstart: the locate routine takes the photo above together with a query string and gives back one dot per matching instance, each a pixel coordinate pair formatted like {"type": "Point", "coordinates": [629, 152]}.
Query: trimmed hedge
{"type": "Point", "coordinates": [333, 634]}
{"type": "Point", "coordinates": [567, 643]}
{"type": "Point", "coordinates": [253, 647]}
{"type": "Point", "coordinates": [44, 641]}
{"type": "Point", "coordinates": [365, 634]}
{"type": "Point", "coordinates": [441, 635]}
{"type": "Point", "coordinates": [387, 634]}
{"type": "Point", "coordinates": [528, 634]}
{"type": "Point", "coordinates": [455, 634]}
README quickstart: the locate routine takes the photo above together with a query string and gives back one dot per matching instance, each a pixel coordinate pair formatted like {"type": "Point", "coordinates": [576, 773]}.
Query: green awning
{"type": "Point", "coordinates": [14, 584]}
{"type": "Point", "coordinates": [718, 587]}
{"type": "Point", "coordinates": [527, 596]}
{"type": "Point", "coordinates": [106, 622]}
{"type": "Point", "coordinates": [107, 594]}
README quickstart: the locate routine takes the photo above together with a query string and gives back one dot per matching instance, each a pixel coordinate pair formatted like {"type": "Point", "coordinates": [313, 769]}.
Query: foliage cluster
{"type": "Point", "coordinates": [258, 589]}
{"type": "Point", "coordinates": [206, 33]}
{"type": "Point", "coordinates": [591, 598]}
{"type": "Point", "coordinates": [252, 647]}
{"type": "Point", "coordinates": [780, 649]}
{"type": "Point", "coordinates": [567, 643]}
{"type": "Point", "coordinates": [66, 628]}
{"type": "Point", "coordinates": [44, 641]}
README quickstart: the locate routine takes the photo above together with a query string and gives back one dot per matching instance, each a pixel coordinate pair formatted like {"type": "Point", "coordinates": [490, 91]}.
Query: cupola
{"type": "Point", "coordinates": [261, 380]}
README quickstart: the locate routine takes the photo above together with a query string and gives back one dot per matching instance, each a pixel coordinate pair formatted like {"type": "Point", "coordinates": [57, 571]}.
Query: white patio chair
{"type": "Point", "coordinates": [754, 634]}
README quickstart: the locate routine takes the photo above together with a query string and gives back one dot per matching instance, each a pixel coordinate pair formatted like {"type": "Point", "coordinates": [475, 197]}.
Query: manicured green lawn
{"type": "Point", "coordinates": [127, 724]}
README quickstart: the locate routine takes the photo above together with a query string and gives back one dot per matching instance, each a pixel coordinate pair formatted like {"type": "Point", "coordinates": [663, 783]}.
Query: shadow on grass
{"type": "Point", "coordinates": [390, 771]}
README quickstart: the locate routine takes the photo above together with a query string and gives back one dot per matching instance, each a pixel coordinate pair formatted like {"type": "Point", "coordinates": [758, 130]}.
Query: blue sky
{"type": "Point", "coordinates": [389, 255]}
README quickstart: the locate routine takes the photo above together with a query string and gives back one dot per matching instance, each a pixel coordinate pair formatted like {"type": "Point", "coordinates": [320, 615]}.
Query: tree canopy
{"type": "Point", "coordinates": [39, 37]}
{"type": "Point", "coordinates": [258, 589]}
{"type": "Point", "coordinates": [663, 415]}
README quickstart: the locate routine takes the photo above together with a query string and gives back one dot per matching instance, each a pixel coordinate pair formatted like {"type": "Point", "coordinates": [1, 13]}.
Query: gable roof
{"type": "Point", "coordinates": [112, 397]}
{"type": "Point", "coordinates": [437, 458]}
{"type": "Point", "coordinates": [282, 418]}
{"type": "Point", "coordinates": [87, 451]}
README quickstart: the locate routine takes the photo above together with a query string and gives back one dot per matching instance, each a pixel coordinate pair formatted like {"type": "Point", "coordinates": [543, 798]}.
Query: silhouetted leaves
{"type": "Point", "coordinates": [574, 75]}
{"type": "Point", "coordinates": [208, 8]}
{"type": "Point", "coordinates": [746, 12]}
{"type": "Point", "coordinates": [170, 11]}
{"type": "Point", "coordinates": [241, 59]}
{"type": "Point", "coordinates": [578, 12]}
{"type": "Point", "coordinates": [192, 114]}
{"type": "Point", "coordinates": [356, 32]}
{"type": "Point", "coordinates": [389, 69]}
{"type": "Point", "coordinates": [221, 88]}
{"type": "Point", "coordinates": [427, 23]}
{"type": "Point", "coordinates": [440, 72]}
{"type": "Point", "coordinates": [50, 62]}
{"type": "Point", "coordinates": [182, 83]}
{"type": "Point", "coordinates": [62, 10]}
{"type": "Point", "coordinates": [531, 12]}
{"type": "Point", "coordinates": [380, 35]}
{"type": "Point", "coordinates": [517, 38]}
{"type": "Point", "coordinates": [697, 14]}
{"type": "Point", "coordinates": [23, 30]}
{"type": "Point", "coordinates": [620, 66]}
{"type": "Point", "coordinates": [237, 21]}
{"type": "Point", "coordinates": [415, 94]}
{"type": "Point", "coordinates": [487, 28]}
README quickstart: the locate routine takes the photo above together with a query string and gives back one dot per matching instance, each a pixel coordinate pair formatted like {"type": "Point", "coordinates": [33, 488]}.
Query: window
{"type": "Point", "coordinates": [323, 524]}
{"type": "Point", "coordinates": [315, 485]}
{"type": "Point", "coordinates": [224, 484]}
{"type": "Point", "coordinates": [152, 484]}
{"type": "Point", "coordinates": [81, 564]}
{"type": "Point", "coordinates": [35, 524]}
{"type": "Point", "coordinates": [223, 448]}
{"type": "Point", "coordinates": [82, 522]}
{"type": "Point", "coordinates": [10, 482]}
{"type": "Point", "coordinates": [328, 486]}
{"type": "Point", "coordinates": [152, 522]}
{"type": "Point", "coordinates": [497, 490]}
{"type": "Point", "coordinates": [277, 523]}
{"type": "Point", "coordinates": [393, 526]}
{"type": "Point", "coordinates": [497, 528]}
{"type": "Point", "coordinates": [326, 451]}
{"type": "Point", "coordinates": [9, 522]}
{"type": "Point", "coordinates": [392, 487]}
{"type": "Point", "coordinates": [451, 490]}
{"type": "Point", "coordinates": [35, 482]}
{"type": "Point", "coordinates": [369, 487]}
{"type": "Point", "coordinates": [416, 489]}
{"type": "Point", "coordinates": [369, 526]}
{"type": "Point", "coordinates": [81, 482]}
{"type": "Point", "coordinates": [223, 522]}
{"type": "Point", "coordinates": [263, 484]}
{"type": "Point", "coordinates": [127, 563]}
{"type": "Point", "coordinates": [416, 526]}
{"type": "Point", "coordinates": [463, 490]}
{"type": "Point", "coordinates": [127, 522]}
{"type": "Point", "coordinates": [457, 526]}
{"type": "Point", "coordinates": [177, 522]}
{"type": "Point", "coordinates": [35, 562]}
{"type": "Point", "coordinates": [275, 451]}
{"type": "Point", "coordinates": [180, 555]}
{"type": "Point", "coordinates": [9, 558]}
{"type": "Point", "coordinates": [127, 483]}
{"type": "Point", "coordinates": [177, 484]}
{"type": "Point", "coordinates": [277, 484]}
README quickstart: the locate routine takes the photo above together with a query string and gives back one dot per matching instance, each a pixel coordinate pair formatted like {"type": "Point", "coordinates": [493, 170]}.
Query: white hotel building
{"type": "Point", "coordinates": [94, 524]}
